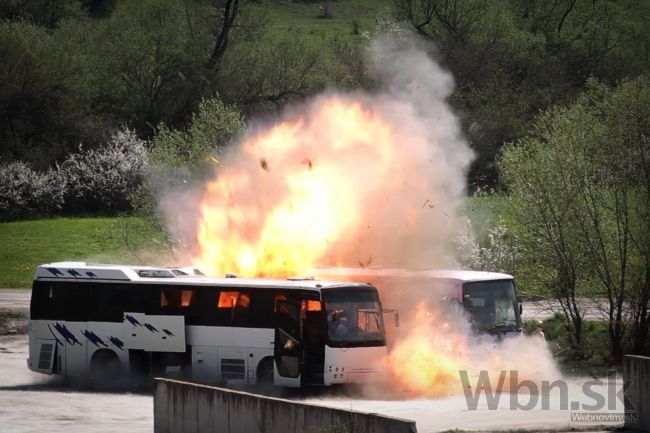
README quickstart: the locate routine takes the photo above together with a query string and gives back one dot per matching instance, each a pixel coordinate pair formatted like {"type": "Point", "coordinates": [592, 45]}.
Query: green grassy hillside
{"type": "Point", "coordinates": [26, 244]}
{"type": "Point", "coordinates": [323, 19]}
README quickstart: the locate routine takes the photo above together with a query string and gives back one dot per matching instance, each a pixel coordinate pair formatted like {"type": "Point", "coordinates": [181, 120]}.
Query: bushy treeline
{"type": "Point", "coordinates": [98, 180]}
{"type": "Point", "coordinates": [75, 71]}
{"type": "Point", "coordinates": [122, 175]}
{"type": "Point", "coordinates": [512, 59]}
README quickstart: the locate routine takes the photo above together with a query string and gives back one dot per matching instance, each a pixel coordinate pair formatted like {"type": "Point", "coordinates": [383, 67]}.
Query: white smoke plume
{"type": "Point", "coordinates": [395, 203]}
{"type": "Point", "coordinates": [356, 179]}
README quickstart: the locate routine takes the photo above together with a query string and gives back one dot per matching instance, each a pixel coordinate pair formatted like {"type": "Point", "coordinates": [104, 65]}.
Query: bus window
{"type": "Point", "coordinates": [244, 301]}
{"type": "Point", "coordinates": [186, 298]}
{"type": "Point", "coordinates": [311, 305]}
{"type": "Point", "coordinates": [48, 301]}
{"type": "Point", "coordinates": [233, 308]}
{"type": "Point", "coordinates": [110, 301]}
{"type": "Point", "coordinates": [170, 298]}
{"type": "Point", "coordinates": [277, 298]}
{"type": "Point", "coordinates": [176, 298]}
{"type": "Point", "coordinates": [76, 302]}
{"type": "Point", "coordinates": [163, 299]}
{"type": "Point", "coordinates": [227, 299]}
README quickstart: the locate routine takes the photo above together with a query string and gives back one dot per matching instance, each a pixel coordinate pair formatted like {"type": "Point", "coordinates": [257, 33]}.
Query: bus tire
{"type": "Point", "coordinates": [105, 368]}
{"type": "Point", "coordinates": [265, 372]}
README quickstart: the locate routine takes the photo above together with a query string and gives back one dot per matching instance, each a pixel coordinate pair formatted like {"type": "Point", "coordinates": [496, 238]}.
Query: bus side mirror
{"type": "Point", "coordinates": [521, 307]}
{"type": "Point", "coordinates": [396, 315]}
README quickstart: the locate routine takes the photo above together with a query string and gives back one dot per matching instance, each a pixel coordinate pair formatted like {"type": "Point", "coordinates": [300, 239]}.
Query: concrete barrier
{"type": "Point", "coordinates": [636, 369]}
{"type": "Point", "coordinates": [181, 407]}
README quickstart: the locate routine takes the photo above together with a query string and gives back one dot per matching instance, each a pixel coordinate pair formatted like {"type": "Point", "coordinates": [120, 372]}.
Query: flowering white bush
{"type": "Point", "coordinates": [498, 254]}
{"type": "Point", "coordinates": [25, 192]}
{"type": "Point", "coordinates": [102, 179]}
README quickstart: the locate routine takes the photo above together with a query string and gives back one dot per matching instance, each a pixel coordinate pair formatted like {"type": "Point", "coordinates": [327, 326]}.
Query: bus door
{"type": "Point", "coordinates": [288, 351]}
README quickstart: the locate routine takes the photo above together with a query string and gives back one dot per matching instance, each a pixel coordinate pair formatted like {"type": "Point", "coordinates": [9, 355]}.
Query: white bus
{"type": "Point", "coordinates": [489, 299]}
{"type": "Point", "coordinates": [107, 322]}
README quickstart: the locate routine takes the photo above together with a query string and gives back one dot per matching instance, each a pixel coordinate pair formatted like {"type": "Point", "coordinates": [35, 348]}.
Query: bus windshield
{"type": "Point", "coordinates": [354, 318]}
{"type": "Point", "coordinates": [492, 305]}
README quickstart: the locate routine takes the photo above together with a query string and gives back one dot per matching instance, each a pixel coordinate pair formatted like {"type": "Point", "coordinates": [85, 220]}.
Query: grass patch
{"type": "Point", "coordinates": [484, 212]}
{"type": "Point", "coordinates": [27, 244]}
{"type": "Point", "coordinates": [324, 19]}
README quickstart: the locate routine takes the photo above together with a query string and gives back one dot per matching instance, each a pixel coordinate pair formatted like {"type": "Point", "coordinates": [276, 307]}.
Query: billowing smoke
{"type": "Point", "coordinates": [352, 179]}
{"type": "Point", "coordinates": [358, 179]}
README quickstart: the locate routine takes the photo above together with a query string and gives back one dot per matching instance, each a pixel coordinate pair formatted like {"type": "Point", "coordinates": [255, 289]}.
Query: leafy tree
{"type": "Point", "coordinates": [181, 155]}
{"type": "Point", "coordinates": [580, 197]}
{"type": "Point", "coordinates": [210, 130]}
{"type": "Point", "coordinates": [43, 101]}
{"type": "Point", "coordinates": [147, 58]}
{"type": "Point", "coordinates": [46, 13]}
{"type": "Point", "coordinates": [543, 206]}
{"type": "Point", "coordinates": [278, 69]}
{"type": "Point", "coordinates": [513, 58]}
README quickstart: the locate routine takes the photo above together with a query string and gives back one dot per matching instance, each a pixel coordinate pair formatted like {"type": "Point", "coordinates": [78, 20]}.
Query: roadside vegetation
{"type": "Point", "coordinates": [27, 244]}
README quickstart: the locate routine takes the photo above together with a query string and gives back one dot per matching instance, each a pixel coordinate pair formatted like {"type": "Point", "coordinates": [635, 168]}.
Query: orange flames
{"type": "Point", "coordinates": [292, 191]}
{"type": "Point", "coordinates": [326, 185]}
{"type": "Point", "coordinates": [427, 360]}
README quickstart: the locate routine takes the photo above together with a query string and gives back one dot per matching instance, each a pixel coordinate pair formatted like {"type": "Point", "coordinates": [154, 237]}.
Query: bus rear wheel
{"type": "Point", "coordinates": [105, 368]}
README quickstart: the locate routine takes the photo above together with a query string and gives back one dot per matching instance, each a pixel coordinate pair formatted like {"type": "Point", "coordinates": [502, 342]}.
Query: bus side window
{"type": "Point", "coordinates": [47, 301]}
{"type": "Point", "coordinates": [262, 307]}
{"type": "Point", "coordinates": [186, 298]}
{"type": "Point", "coordinates": [178, 301]}
{"type": "Point", "coordinates": [111, 301]}
{"type": "Point", "coordinates": [77, 296]}
{"type": "Point", "coordinates": [277, 298]}
{"type": "Point", "coordinates": [170, 299]}
{"type": "Point", "coordinates": [233, 308]}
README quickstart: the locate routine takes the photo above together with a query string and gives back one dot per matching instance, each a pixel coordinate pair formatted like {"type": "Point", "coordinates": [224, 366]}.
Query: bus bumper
{"type": "Point", "coordinates": [354, 364]}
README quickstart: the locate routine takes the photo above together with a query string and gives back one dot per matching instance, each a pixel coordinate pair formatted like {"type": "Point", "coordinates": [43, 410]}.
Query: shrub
{"type": "Point", "coordinates": [25, 192]}
{"type": "Point", "coordinates": [102, 179]}
{"type": "Point", "coordinates": [181, 156]}
{"type": "Point", "coordinates": [212, 128]}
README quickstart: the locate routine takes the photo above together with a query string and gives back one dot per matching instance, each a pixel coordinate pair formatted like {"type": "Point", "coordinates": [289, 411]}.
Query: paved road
{"type": "Point", "coordinates": [435, 415]}
{"type": "Point", "coordinates": [33, 402]}
{"type": "Point", "coordinates": [15, 299]}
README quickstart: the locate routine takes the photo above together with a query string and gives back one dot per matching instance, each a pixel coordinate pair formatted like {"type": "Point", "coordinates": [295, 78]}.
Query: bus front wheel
{"type": "Point", "coordinates": [265, 372]}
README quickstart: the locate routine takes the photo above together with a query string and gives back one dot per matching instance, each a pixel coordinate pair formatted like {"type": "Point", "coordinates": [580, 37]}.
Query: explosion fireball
{"type": "Point", "coordinates": [351, 180]}
{"type": "Point", "coordinates": [305, 175]}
